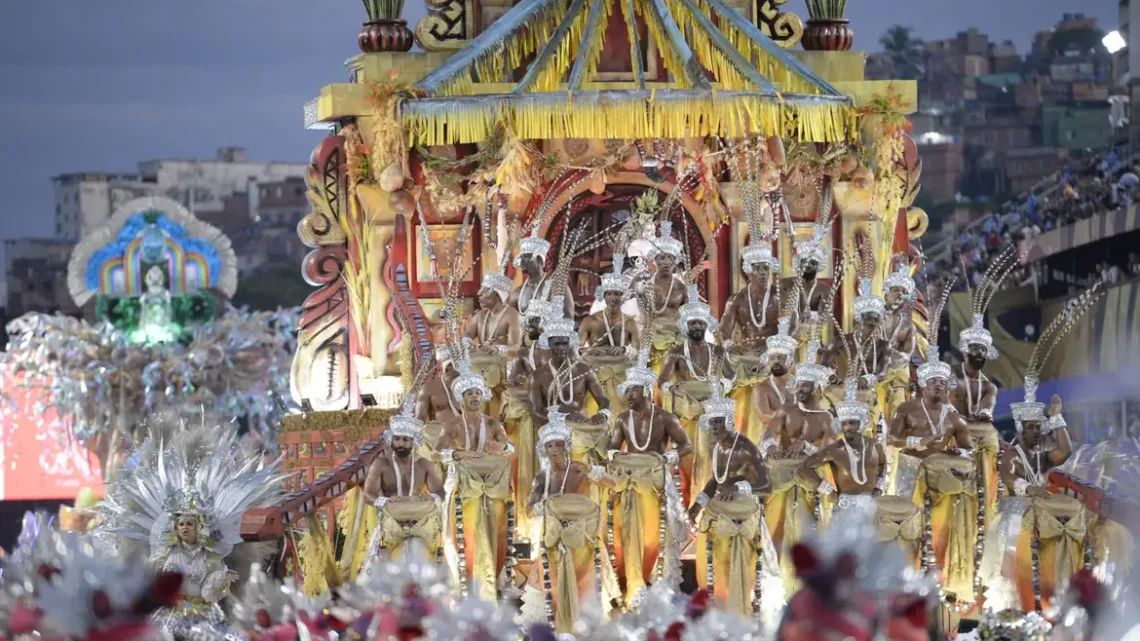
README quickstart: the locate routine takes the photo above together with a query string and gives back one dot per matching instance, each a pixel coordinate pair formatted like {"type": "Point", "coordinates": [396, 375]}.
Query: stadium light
{"type": "Point", "coordinates": [1113, 41]}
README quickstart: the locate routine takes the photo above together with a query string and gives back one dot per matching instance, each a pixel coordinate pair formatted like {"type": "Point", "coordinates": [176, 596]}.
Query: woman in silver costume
{"type": "Point", "coordinates": [183, 500]}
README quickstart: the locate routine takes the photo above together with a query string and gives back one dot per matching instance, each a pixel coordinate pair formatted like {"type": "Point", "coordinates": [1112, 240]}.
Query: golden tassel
{"type": "Point", "coordinates": [318, 563]}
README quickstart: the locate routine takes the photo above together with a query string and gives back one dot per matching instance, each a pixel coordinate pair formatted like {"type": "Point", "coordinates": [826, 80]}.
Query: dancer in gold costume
{"type": "Point", "coordinates": [734, 553]}
{"type": "Point", "coordinates": [609, 338]}
{"type": "Point", "coordinates": [902, 338]}
{"type": "Point", "coordinates": [690, 370]}
{"type": "Point", "coordinates": [642, 464]}
{"type": "Point", "coordinates": [936, 461]}
{"type": "Point", "coordinates": [564, 382]}
{"type": "Point", "coordinates": [799, 429]}
{"type": "Point", "coordinates": [478, 455]}
{"type": "Point", "coordinates": [749, 319]}
{"type": "Point", "coordinates": [868, 353]}
{"type": "Point", "coordinates": [405, 489]}
{"type": "Point", "coordinates": [669, 293]}
{"type": "Point", "coordinates": [859, 467]}
{"type": "Point", "coordinates": [518, 413]}
{"type": "Point", "coordinates": [773, 391]}
{"type": "Point", "coordinates": [1038, 539]}
{"type": "Point", "coordinates": [572, 556]}
{"type": "Point", "coordinates": [496, 330]}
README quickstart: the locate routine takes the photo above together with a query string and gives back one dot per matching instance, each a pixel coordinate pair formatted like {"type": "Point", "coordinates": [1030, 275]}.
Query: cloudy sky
{"type": "Point", "coordinates": [97, 85]}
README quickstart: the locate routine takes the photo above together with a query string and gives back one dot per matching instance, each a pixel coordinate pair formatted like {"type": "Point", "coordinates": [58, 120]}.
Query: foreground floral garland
{"type": "Point", "coordinates": [67, 587]}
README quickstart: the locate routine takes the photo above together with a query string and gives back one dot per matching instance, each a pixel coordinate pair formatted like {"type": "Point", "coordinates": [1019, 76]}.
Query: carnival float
{"type": "Point", "coordinates": [620, 332]}
{"type": "Point", "coordinates": [157, 342]}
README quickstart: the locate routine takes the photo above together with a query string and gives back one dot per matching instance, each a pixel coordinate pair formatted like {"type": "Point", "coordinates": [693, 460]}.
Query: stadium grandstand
{"type": "Point", "coordinates": [1073, 228]}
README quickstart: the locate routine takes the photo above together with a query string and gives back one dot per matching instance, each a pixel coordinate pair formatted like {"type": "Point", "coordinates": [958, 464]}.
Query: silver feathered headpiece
{"type": "Point", "coordinates": [851, 408]}
{"type": "Point", "coordinates": [1031, 410]}
{"type": "Point", "coordinates": [201, 472]}
{"type": "Point", "coordinates": [639, 376]}
{"type": "Point", "coordinates": [695, 310]}
{"type": "Point", "coordinates": [614, 281]}
{"type": "Point", "coordinates": [976, 333]}
{"type": "Point", "coordinates": [532, 245]}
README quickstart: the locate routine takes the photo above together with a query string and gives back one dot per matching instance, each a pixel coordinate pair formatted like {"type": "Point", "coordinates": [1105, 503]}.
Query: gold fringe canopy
{"type": "Point", "coordinates": [630, 114]}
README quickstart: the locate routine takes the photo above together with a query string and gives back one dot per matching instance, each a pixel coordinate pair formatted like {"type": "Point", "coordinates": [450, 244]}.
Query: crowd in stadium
{"type": "Point", "coordinates": [1097, 184]}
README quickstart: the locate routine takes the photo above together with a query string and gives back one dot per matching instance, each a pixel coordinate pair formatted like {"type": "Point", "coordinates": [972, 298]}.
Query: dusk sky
{"type": "Point", "coordinates": [97, 85]}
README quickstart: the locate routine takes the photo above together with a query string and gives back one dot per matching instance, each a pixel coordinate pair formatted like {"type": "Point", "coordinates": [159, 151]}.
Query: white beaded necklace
{"type": "Point", "coordinates": [668, 296]}
{"type": "Point", "coordinates": [969, 396]}
{"type": "Point", "coordinates": [1033, 474]}
{"type": "Point", "coordinates": [776, 389]}
{"type": "Point", "coordinates": [400, 479]}
{"type": "Point", "coordinates": [721, 478]}
{"type": "Point", "coordinates": [566, 400]}
{"type": "Point", "coordinates": [482, 433]}
{"type": "Point", "coordinates": [610, 331]}
{"type": "Point", "coordinates": [862, 462]}
{"type": "Point", "coordinates": [633, 434]}
{"type": "Point", "coordinates": [537, 290]}
{"type": "Point", "coordinates": [935, 429]}
{"type": "Point", "coordinates": [483, 337]}
{"type": "Point", "coordinates": [763, 311]}
{"type": "Point", "coordinates": [689, 363]}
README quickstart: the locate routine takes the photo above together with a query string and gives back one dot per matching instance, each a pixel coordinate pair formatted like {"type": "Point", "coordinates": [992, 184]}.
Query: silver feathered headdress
{"type": "Point", "coordinates": [976, 333]}
{"type": "Point", "coordinates": [1031, 409]}
{"type": "Point", "coordinates": [201, 471]}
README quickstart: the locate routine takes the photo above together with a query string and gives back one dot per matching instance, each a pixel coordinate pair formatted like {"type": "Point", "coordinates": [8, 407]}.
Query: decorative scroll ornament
{"type": "Point", "coordinates": [447, 26]}
{"type": "Point", "coordinates": [783, 27]}
{"type": "Point", "coordinates": [320, 373]}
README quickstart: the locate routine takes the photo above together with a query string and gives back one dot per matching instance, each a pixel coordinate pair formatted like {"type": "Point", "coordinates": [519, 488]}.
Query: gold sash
{"type": "Point", "coordinates": [734, 526]}
{"type": "Point", "coordinates": [685, 400]}
{"type": "Point", "coordinates": [571, 529]}
{"type": "Point", "coordinates": [520, 429]}
{"type": "Point", "coordinates": [411, 518]}
{"type": "Point", "coordinates": [893, 391]}
{"type": "Point", "coordinates": [638, 492]}
{"type": "Point", "coordinates": [610, 371]}
{"type": "Point", "coordinates": [492, 367]}
{"type": "Point", "coordinates": [1061, 523]}
{"type": "Point", "coordinates": [488, 476]}
{"type": "Point", "coordinates": [664, 336]}
{"type": "Point", "coordinates": [954, 517]}
{"type": "Point", "coordinates": [987, 450]}
{"type": "Point", "coordinates": [484, 485]}
{"type": "Point", "coordinates": [589, 443]}
{"type": "Point", "coordinates": [790, 505]}
{"type": "Point", "coordinates": [900, 520]}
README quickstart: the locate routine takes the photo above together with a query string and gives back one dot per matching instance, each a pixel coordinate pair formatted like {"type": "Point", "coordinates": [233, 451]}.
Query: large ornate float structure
{"type": "Point", "coordinates": [548, 115]}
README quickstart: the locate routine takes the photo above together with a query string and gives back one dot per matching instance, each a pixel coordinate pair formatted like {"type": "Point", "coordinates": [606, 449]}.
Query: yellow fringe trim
{"type": "Point", "coordinates": [493, 64]}
{"type": "Point", "coordinates": [720, 115]}
{"type": "Point", "coordinates": [595, 54]}
{"type": "Point", "coordinates": [768, 65]}
{"type": "Point", "coordinates": [559, 64]}
{"type": "Point", "coordinates": [669, 55]}
{"type": "Point", "coordinates": [318, 562]}
{"type": "Point", "coordinates": [710, 57]}
{"type": "Point", "coordinates": [353, 501]}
